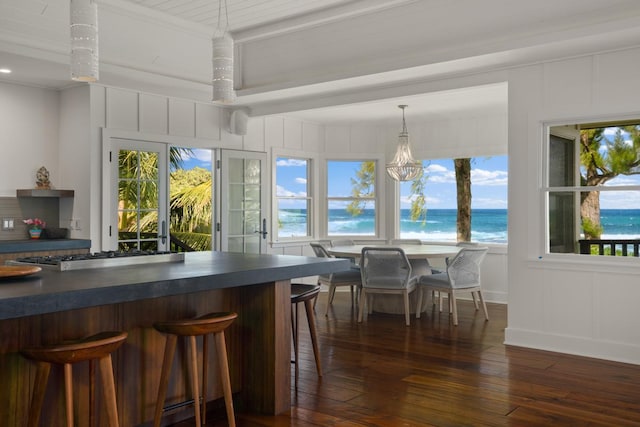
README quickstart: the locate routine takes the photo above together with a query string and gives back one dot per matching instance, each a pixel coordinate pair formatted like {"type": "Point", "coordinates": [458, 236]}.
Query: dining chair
{"type": "Point", "coordinates": [419, 266]}
{"type": "Point", "coordinates": [346, 242]}
{"type": "Point", "coordinates": [462, 275]}
{"type": "Point", "coordinates": [349, 278]}
{"type": "Point", "coordinates": [342, 242]}
{"type": "Point", "coordinates": [385, 271]}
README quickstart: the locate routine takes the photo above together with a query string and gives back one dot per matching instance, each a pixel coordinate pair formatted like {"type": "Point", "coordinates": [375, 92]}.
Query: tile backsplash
{"type": "Point", "coordinates": [19, 208]}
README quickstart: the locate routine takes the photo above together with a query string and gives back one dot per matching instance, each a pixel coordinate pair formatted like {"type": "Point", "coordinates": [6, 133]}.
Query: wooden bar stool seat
{"type": "Point", "coordinates": [212, 323]}
{"type": "Point", "coordinates": [302, 293]}
{"type": "Point", "coordinates": [96, 347]}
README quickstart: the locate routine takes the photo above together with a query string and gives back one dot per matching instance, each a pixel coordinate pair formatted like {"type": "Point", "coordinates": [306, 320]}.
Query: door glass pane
{"type": "Point", "coordinates": [236, 244]}
{"type": "Point", "coordinates": [138, 195]}
{"type": "Point", "coordinates": [242, 210]}
{"type": "Point", "coordinates": [191, 199]}
{"type": "Point", "coordinates": [252, 244]}
{"type": "Point", "coordinates": [236, 222]}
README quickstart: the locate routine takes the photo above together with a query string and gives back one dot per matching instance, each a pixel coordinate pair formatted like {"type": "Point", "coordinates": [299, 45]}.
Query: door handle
{"type": "Point", "coordinates": [264, 231]}
{"type": "Point", "coordinates": [163, 232]}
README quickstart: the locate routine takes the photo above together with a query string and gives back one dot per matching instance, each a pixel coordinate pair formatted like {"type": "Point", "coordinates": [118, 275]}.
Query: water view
{"type": "Point", "coordinates": [487, 225]}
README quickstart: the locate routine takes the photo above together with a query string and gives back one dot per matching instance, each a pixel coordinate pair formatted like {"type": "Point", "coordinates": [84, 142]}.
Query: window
{"type": "Point", "coordinates": [593, 188]}
{"type": "Point", "coordinates": [292, 197]}
{"type": "Point", "coordinates": [351, 198]}
{"type": "Point", "coordinates": [428, 209]}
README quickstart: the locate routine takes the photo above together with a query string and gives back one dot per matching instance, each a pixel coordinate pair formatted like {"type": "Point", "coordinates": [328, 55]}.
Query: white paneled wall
{"type": "Point", "coordinates": [558, 302]}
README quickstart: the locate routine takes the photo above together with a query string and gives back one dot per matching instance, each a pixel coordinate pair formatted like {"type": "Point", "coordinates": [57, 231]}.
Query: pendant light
{"type": "Point", "coordinates": [84, 41]}
{"type": "Point", "coordinates": [222, 59]}
{"type": "Point", "coordinates": [404, 167]}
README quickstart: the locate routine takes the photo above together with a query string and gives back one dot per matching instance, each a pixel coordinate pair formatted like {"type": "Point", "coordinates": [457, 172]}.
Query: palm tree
{"type": "Point", "coordinates": [602, 160]}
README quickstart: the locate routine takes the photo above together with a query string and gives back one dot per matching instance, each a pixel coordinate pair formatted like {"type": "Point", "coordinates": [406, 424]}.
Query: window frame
{"type": "Point", "coordinates": [555, 128]}
{"type": "Point", "coordinates": [311, 200]}
{"type": "Point", "coordinates": [379, 184]}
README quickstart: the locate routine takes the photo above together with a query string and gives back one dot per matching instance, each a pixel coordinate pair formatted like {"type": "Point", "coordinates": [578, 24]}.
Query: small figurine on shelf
{"type": "Point", "coordinates": [42, 179]}
{"type": "Point", "coordinates": [35, 227]}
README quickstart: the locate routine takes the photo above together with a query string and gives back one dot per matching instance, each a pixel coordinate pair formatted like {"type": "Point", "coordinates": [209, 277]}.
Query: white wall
{"type": "Point", "coordinates": [28, 137]}
{"type": "Point", "coordinates": [567, 303]}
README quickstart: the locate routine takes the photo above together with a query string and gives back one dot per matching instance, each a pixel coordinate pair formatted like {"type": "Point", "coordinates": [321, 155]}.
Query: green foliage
{"type": "Point", "coordinates": [418, 210]}
{"type": "Point", "coordinates": [591, 230]}
{"type": "Point", "coordinates": [363, 186]}
{"type": "Point", "coordinates": [190, 196]}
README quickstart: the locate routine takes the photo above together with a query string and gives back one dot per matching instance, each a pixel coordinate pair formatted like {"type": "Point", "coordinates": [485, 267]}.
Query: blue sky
{"type": "Point", "coordinates": [488, 176]}
{"type": "Point", "coordinates": [201, 157]}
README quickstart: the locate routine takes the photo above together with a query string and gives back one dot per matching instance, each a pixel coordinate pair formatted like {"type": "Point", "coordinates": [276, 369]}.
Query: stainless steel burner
{"type": "Point", "coordinates": [99, 260]}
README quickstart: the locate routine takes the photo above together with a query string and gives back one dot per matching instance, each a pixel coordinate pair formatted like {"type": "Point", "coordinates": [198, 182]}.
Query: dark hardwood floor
{"type": "Point", "coordinates": [383, 373]}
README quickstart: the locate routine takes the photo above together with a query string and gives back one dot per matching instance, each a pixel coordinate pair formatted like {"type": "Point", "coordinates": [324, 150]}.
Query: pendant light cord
{"type": "Point", "coordinates": [226, 13]}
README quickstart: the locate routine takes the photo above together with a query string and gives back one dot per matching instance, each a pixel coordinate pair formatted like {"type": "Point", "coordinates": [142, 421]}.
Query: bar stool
{"type": "Point", "coordinates": [96, 347]}
{"type": "Point", "coordinates": [212, 323]}
{"type": "Point", "coordinates": [304, 293]}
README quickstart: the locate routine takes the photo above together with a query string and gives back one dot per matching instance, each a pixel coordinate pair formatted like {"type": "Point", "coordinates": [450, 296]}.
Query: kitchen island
{"type": "Point", "coordinates": [51, 306]}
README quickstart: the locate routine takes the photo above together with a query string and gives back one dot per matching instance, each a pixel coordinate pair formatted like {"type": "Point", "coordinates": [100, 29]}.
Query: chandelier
{"type": "Point", "coordinates": [404, 167]}
{"type": "Point", "coordinates": [84, 41]}
{"type": "Point", "coordinates": [222, 59]}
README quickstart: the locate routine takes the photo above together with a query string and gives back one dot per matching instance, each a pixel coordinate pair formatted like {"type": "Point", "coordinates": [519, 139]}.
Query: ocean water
{"type": "Point", "coordinates": [487, 225]}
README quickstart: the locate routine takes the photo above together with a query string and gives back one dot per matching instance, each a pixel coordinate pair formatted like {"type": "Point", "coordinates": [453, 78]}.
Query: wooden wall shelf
{"type": "Point", "coordinates": [35, 192]}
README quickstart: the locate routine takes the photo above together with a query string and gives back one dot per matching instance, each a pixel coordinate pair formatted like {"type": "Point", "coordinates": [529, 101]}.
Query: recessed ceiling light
{"type": "Point", "coordinates": [5, 71]}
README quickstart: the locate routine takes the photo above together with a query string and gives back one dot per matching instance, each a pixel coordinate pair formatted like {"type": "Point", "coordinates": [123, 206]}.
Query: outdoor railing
{"type": "Point", "coordinates": [613, 247]}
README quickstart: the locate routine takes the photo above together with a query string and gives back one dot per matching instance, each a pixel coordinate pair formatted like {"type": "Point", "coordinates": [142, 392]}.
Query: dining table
{"type": "Point", "coordinates": [421, 258]}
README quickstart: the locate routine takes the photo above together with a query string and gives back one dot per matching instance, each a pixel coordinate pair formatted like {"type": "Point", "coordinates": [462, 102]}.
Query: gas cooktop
{"type": "Point", "coordinates": [99, 259]}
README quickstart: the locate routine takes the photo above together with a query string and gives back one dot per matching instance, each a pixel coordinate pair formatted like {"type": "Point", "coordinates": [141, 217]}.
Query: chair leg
{"type": "Point", "coordinates": [109, 390]}
{"type": "Point", "coordinates": [169, 351]}
{"type": "Point", "coordinates": [296, 327]}
{"type": "Point", "coordinates": [363, 303]}
{"type": "Point", "coordinates": [205, 376]}
{"type": "Point", "coordinates": [314, 335]}
{"type": "Point", "coordinates": [332, 292]}
{"type": "Point", "coordinates": [221, 347]}
{"type": "Point", "coordinates": [68, 393]}
{"type": "Point", "coordinates": [194, 379]}
{"type": "Point", "coordinates": [454, 307]}
{"type": "Point", "coordinates": [484, 306]}
{"type": "Point", "coordinates": [419, 305]}
{"type": "Point", "coordinates": [406, 307]}
{"type": "Point", "coordinates": [42, 376]}
{"type": "Point", "coordinates": [475, 300]}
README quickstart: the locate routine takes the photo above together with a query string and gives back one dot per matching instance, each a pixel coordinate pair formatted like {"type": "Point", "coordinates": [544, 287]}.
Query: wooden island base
{"type": "Point", "coordinates": [258, 344]}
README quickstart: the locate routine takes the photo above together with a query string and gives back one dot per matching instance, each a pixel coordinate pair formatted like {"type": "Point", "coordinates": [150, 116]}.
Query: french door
{"type": "Point", "coordinates": [138, 196]}
{"type": "Point", "coordinates": [141, 212]}
{"type": "Point", "coordinates": [242, 204]}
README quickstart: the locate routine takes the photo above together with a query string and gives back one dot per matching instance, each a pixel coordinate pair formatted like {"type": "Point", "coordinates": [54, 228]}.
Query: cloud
{"type": "Point", "coordinates": [489, 178]}
{"type": "Point", "coordinates": [300, 180]}
{"type": "Point", "coordinates": [283, 192]}
{"type": "Point", "coordinates": [291, 162]}
{"type": "Point", "coordinates": [203, 155]}
{"type": "Point", "coordinates": [440, 174]}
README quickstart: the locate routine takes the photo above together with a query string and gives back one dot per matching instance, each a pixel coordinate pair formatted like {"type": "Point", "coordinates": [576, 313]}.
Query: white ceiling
{"type": "Point", "coordinates": [34, 43]}
{"type": "Point", "coordinates": [242, 14]}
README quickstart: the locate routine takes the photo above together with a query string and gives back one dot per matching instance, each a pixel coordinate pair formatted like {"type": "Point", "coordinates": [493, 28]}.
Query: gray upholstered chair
{"type": "Point", "coordinates": [462, 275]}
{"type": "Point", "coordinates": [385, 271]}
{"type": "Point", "coordinates": [349, 278]}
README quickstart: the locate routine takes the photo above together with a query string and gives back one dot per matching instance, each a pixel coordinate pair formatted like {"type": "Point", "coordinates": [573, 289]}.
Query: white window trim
{"type": "Point", "coordinates": [380, 187]}
{"type": "Point", "coordinates": [312, 184]}
{"type": "Point", "coordinates": [574, 260]}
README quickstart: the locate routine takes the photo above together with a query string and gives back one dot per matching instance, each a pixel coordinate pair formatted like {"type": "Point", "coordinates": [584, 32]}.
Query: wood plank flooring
{"type": "Point", "coordinates": [383, 373]}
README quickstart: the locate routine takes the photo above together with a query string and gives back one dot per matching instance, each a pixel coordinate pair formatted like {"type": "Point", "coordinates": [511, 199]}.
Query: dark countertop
{"type": "Point", "coordinates": [15, 246]}
{"type": "Point", "coordinates": [51, 291]}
